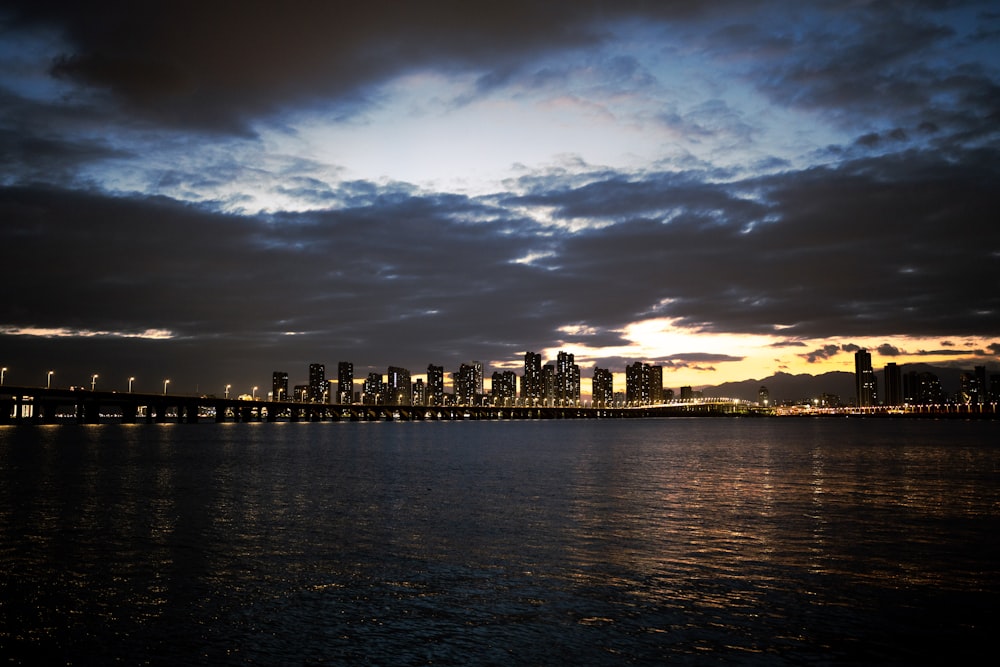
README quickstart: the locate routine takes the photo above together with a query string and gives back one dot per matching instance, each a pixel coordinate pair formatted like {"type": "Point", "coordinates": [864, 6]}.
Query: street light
{"type": "Point", "coordinates": [130, 381]}
{"type": "Point", "coordinates": [165, 383]}
{"type": "Point", "coordinates": [3, 373]}
{"type": "Point", "coordinates": [93, 382]}
{"type": "Point", "coordinates": [254, 393]}
{"type": "Point", "coordinates": [228, 387]}
{"type": "Point", "coordinates": [48, 380]}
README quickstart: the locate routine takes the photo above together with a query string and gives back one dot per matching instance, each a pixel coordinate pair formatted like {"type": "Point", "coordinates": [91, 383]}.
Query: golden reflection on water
{"type": "Point", "coordinates": [762, 514]}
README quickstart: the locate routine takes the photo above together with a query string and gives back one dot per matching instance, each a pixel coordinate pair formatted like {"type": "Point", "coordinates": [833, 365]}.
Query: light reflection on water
{"type": "Point", "coordinates": [726, 540]}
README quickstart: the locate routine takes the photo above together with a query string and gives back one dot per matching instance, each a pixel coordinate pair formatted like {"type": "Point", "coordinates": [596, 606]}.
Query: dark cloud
{"type": "Point", "coordinates": [887, 350]}
{"type": "Point", "coordinates": [700, 361]}
{"type": "Point", "coordinates": [821, 354]}
{"type": "Point", "coordinates": [864, 249]}
{"type": "Point", "coordinates": [863, 63]}
{"type": "Point", "coordinates": [217, 65]}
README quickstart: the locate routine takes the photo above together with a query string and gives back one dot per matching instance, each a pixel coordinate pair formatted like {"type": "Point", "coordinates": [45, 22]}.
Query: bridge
{"type": "Point", "coordinates": [41, 405]}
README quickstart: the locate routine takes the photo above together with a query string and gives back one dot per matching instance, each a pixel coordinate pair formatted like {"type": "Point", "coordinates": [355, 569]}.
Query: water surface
{"type": "Point", "coordinates": [763, 541]}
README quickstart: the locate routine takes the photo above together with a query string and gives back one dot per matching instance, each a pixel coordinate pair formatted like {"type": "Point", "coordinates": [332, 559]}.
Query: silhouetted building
{"type": "Point", "coordinates": [301, 393]}
{"type": "Point", "coordinates": [504, 388]}
{"type": "Point", "coordinates": [317, 383]}
{"type": "Point", "coordinates": [655, 384]}
{"type": "Point", "coordinates": [419, 392]}
{"type": "Point", "coordinates": [829, 401]}
{"type": "Point", "coordinates": [763, 396]}
{"type": "Point", "coordinates": [567, 379]}
{"type": "Point", "coordinates": [973, 387]}
{"type": "Point", "coordinates": [549, 384]}
{"type": "Point", "coordinates": [602, 393]}
{"type": "Point", "coordinates": [397, 386]}
{"type": "Point", "coordinates": [435, 385]}
{"type": "Point", "coordinates": [637, 384]}
{"type": "Point", "coordinates": [531, 381]}
{"type": "Point", "coordinates": [373, 390]}
{"type": "Point", "coordinates": [468, 383]}
{"type": "Point", "coordinates": [279, 386]}
{"type": "Point", "coordinates": [477, 379]}
{"type": "Point", "coordinates": [994, 388]}
{"type": "Point", "coordinates": [893, 384]}
{"type": "Point", "coordinates": [982, 389]}
{"type": "Point", "coordinates": [922, 389]}
{"type": "Point", "coordinates": [864, 379]}
{"type": "Point", "coordinates": [686, 393]}
{"type": "Point", "coordinates": [345, 382]}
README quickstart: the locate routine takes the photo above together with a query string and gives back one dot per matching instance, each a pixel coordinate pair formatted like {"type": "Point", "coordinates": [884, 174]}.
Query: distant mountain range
{"type": "Point", "coordinates": [788, 387]}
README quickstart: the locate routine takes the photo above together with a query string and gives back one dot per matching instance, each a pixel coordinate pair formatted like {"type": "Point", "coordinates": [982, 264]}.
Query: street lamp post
{"type": "Point", "coordinates": [165, 383]}
{"type": "Point", "coordinates": [3, 374]}
{"type": "Point", "coordinates": [228, 387]}
{"type": "Point", "coordinates": [130, 381]}
{"type": "Point", "coordinates": [93, 382]}
{"type": "Point", "coordinates": [254, 393]}
{"type": "Point", "coordinates": [48, 380]}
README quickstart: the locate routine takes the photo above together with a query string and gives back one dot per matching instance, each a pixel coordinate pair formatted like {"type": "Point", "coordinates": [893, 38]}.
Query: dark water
{"type": "Point", "coordinates": [704, 541]}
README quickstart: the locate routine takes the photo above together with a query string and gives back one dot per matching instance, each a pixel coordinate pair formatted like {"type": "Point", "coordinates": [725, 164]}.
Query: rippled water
{"type": "Point", "coordinates": [705, 540]}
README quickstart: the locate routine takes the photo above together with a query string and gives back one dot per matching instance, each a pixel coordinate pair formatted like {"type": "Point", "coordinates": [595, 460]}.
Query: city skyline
{"type": "Point", "coordinates": [560, 382]}
{"type": "Point", "coordinates": [725, 190]}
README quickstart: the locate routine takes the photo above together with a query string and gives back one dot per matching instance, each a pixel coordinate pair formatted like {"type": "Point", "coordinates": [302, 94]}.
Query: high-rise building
{"type": "Point", "coordinates": [419, 392]}
{"type": "Point", "coordinates": [973, 386]}
{"type": "Point", "coordinates": [638, 384]}
{"type": "Point", "coordinates": [345, 383]}
{"type": "Point", "coordinates": [468, 384]}
{"type": "Point", "coordinates": [548, 384]}
{"type": "Point", "coordinates": [567, 379]}
{"type": "Point", "coordinates": [504, 388]}
{"type": "Point", "coordinates": [602, 392]}
{"type": "Point", "coordinates": [644, 384]}
{"type": "Point", "coordinates": [435, 385]}
{"type": "Point", "coordinates": [531, 382]}
{"type": "Point", "coordinates": [994, 388]}
{"type": "Point", "coordinates": [279, 386]}
{"type": "Point", "coordinates": [893, 384]}
{"type": "Point", "coordinates": [373, 390]}
{"type": "Point", "coordinates": [655, 384]}
{"type": "Point", "coordinates": [317, 383]}
{"type": "Point", "coordinates": [922, 389]}
{"type": "Point", "coordinates": [763, 396]}
{"type": "Point", "coordinates": [477, 379]}
{"type": "Point", "coordinates": [981, 386]}
{"type": "Point", "coordinates": [397, 386]}
{"type": "Point", "coordinates": [864, 379]}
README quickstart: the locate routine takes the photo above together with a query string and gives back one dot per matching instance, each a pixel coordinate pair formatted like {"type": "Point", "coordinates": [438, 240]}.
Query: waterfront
{"type": "Point", "coordinates": [530, 542]}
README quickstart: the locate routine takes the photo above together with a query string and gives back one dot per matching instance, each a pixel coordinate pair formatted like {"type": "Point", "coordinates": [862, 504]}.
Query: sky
{"type": "Point", "coordinates": [210, 192]}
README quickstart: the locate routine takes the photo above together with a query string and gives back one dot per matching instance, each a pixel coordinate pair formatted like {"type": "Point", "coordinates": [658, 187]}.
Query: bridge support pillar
{"type": "Point", "coordinates": [88, 412]}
